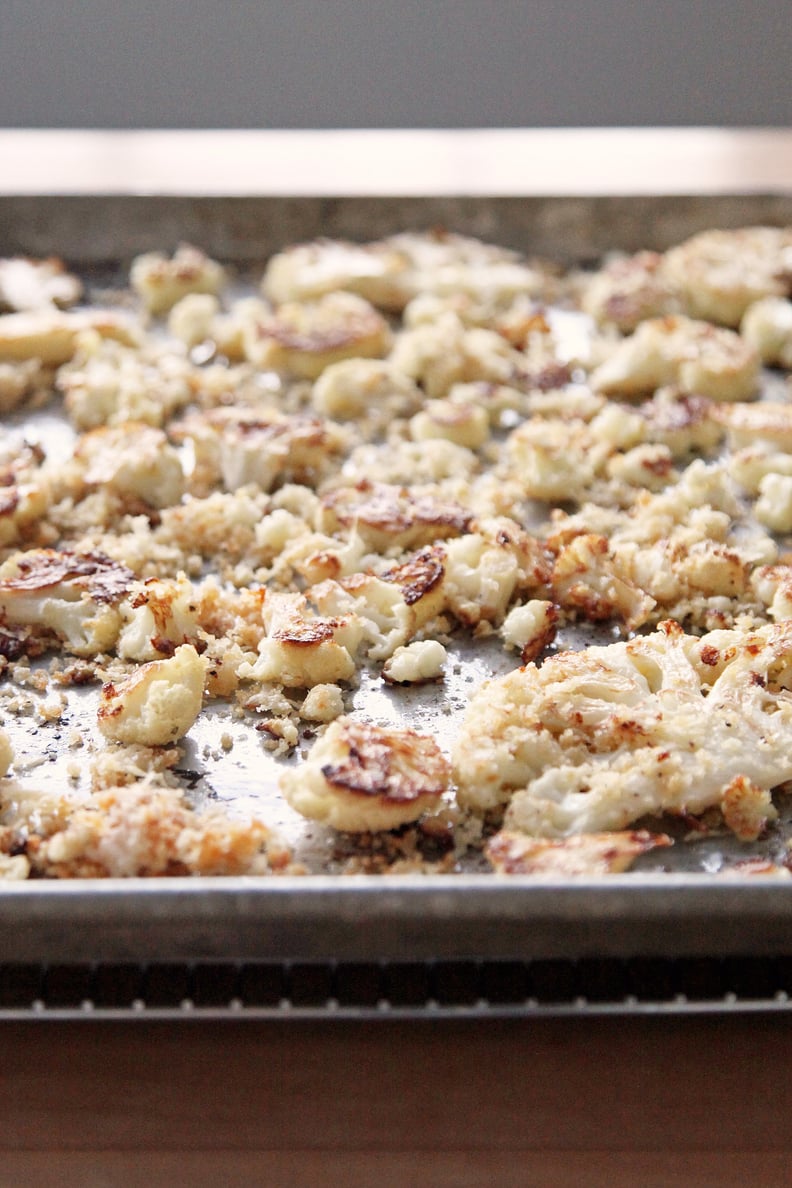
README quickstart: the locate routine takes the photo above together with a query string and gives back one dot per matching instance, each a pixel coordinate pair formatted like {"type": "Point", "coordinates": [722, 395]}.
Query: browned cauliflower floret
{"type": "Point", "coordinates": [161, 281]}
{"type": "Point", "coordinates": [360, 777]}
{"type": "Point", "coordinates": [158, 703]}
{"type": "Point", "coordinates": [666, 722]}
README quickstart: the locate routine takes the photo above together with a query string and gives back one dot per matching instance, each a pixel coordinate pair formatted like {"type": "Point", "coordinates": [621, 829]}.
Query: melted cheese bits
{"type": "Point", "coordinates": [157, 704]}
{"type": "Point", "coordinates": [361, 778]}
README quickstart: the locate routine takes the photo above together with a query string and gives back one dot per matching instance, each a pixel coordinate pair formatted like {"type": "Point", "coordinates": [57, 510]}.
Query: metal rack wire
{"type": "Point", "coordinates": [261, 990]}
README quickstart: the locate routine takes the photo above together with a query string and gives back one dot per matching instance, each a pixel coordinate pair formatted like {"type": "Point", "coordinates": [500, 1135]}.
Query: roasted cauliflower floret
{"type": "Point", "coordinates": [385, 515]}
{"type": "Point", "coordinates": [25, 488]}
{"type": "Point", "coordinates": [53, 336]}
{"type": "Point", "coordinates": [416, 663]}
{"type": "Point", "coordinates": [158, 616]}
{"type": "Point", "coordinates": [769, 421]}
{"type": "Point", "coordinates": [158, 703]}
{"type": "Point", "coordinates": [73, 597]}
{"type": "Point", "coordinates": [161, 281]}
{"type": "Point", "coordinates": [530, 628]}
{"type": "Point", "coordinates": [362, 778]}
{"type": "Point", "coordinates": [27, 284]}
{"type": "Point", "coordinates": [134, 461]}
{"type": "Point", "coordinates": [108, 384]}
{"type": "Point", "coordinates": [485, 569]}
{"type": "Point", "coordinates": [591, 579]}
{"type": "Point", "coordinates": [446, 352]}
{"type": "Point", "coordinates": [719, 274]}
{"type": "Point", "coordinates": [301, 649]}
{"type": "Point", "coordinates": [242, 446]}
{"type": "Point", "coordinates": [627, 291]}
{"type": "Point", "coordinates": [580, 856]}
{"type": "Point", "coordinates": [464, 424]}
{"type": "Point", "coordinates": [773, 508]}
{"type": "Point", "coordinates": [696, 357]}
{"type": "Point", "coordinates": [355, 389]}
{"type": "Point", "coordinates": [663, 723]}
{"type": "Point", "coordinates": [322, 704]}
{"type": "Point", "coordinates": [302, 340]}
{"type": "Point", "coordinates": [390, 608]}
{"type": "Point", "coordinates": [767, 326]}
{"type": "Point", "coordinates": [308, 271]}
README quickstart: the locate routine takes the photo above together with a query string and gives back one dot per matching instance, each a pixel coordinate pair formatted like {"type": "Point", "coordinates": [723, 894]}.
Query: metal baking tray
{"type": "Point", "coordinates": [324, 918]}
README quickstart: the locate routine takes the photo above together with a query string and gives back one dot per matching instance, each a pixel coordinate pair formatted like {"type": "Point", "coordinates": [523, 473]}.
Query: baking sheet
{"type": "Point", "coordinates": [469, 914]}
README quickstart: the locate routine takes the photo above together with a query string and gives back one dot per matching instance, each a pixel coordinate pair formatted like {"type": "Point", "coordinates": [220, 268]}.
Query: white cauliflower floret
{"type": "Point", "coordinates": [649, 467]}
{"type": "Point", "coordinates": [52, 336]}
{"type": "Point", "coordinates": [371, 388]}
{"type": "Point", "coordinates": [591, 578]}
{"type": "Point", "coordinates": [682, 422]}
{"type": "Point", "coordinates": [21, 381]}
{"type": "Point", "coordinates": [322, 704]}
{"type": "Point", "coordinates": [663, 723]}
{"type": "Point", "coordinates": [555, 459]}
{"type": "Point", "coordinates": [391, 271]}
{"type": "Point", "coordinates": [73, 596]}
{"type": "Point", "coordinates": [36, 284]}
{"type": "Point", "coordinates": [244, 446]}
{"type": "Point", "coordinates": [224, 523]}
{"type": "Point", "coordinates": [192, 319]}
{"type": "Point", "coordinates": [530, 628]}
{"type": "Point", "coordinates": [134, 460]}
{"type": "Point", "coordinates": [360, 777]}
{"type": "Point", "coordinates": [695, 356]}
{"type": "Point", "coordinates": [750, 466]}
{"type": "Point", "coordinates": [415, 664]}
{"type": "Point", "coordinates": [308, 271]}
{"type": "Point", "coordinates": [108, 384]}
{"type": "Point", "coordinates": [464, 424]}
{"type": "Point", "coordinates": [301, 649]}
{"type": "Point", "coordinates": [485, 569]}
{"type": "Point", "coordinates": [768, 422]}
{"type": "Point", "coordinates": [158, 615]}
{"type": "Point", "coordinates": [302, 340]}
{"type": "Point", "coordinates": [390, 608]}
{"type": "Point", "coordinates": [25, 487]}
{"type": "Point", "coordinates": [440, 354]}
{"type": "Point", "coordinates": [719, 274]}
{"type": "Point", "coordinates": [385, 515]}
{"type": "Point", "coordinates": [158, 703]}
{"type": "Point", "coordinates": [767, 325]}
{"type": "Point", "coordinates": [581, 856]}
{"type": "Point", "coordinates": [449, 265]}
{"type": "Point", "coordinates": [6, 753]}
{"type": "Point", "coordinates": [627, 290]}
{"type": "Point", "coordinates": [161, 281]}
{"type": "Point", "coordinates": [773, 508]}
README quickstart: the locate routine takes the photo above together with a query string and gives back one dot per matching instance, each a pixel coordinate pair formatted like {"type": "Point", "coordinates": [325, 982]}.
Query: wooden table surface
{"type": "Point", "coordinates": [599, 1101]}
{"type": "Point", "coordinates": [548, 1102]}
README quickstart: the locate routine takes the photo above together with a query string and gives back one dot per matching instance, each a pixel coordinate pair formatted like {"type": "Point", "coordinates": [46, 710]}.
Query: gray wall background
{"type": "Point", "coordinates": [394, 63]}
